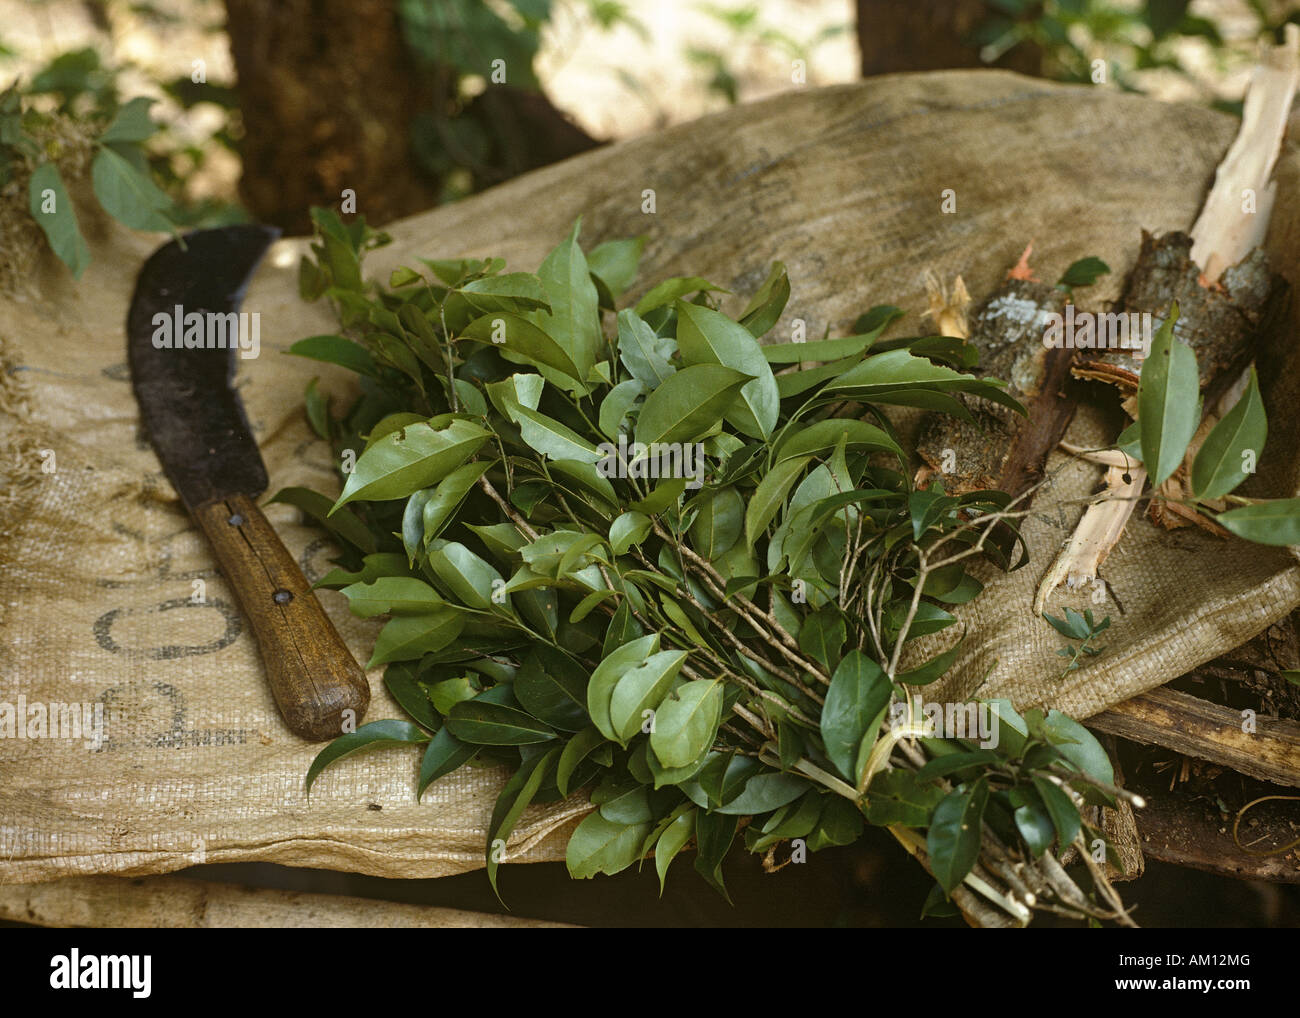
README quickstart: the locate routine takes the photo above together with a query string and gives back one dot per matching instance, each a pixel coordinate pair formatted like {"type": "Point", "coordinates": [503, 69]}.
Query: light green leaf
{"type": "Point", "coordinates": [409, 459]}
{"type": "Point", "coordinates": [371, 736]}
{"type": "Point", "coordinates": [392, 595]}
{"type": "Point", "coordinates": [638, 350]}
{"type": "Point", "coordinates": [687, 722]}
{"type": "Point", "coordinates": [469, 577]}
{"type": "Point", "coordinates": [688, 404]}
{"type": "Point", "coordinates": [407, 637]}
{"type": "Point", "coordinates": [553, 439]}
{"type": "Point", "coordinates": [640, 689]}
{"type": "Point", "coordinates": [132, 123]}
{"type": "Point", "coordinates": [705, 336]}
{"type": "Point", "coordinates": [770, 495]}
{"type": "Point", "coordinates": [448, 495]}
{"type": "Point", "coordinates": [1221, 464]}
{"type": "Point", "coordinates": [601, 846]}
{"type": "Point", "coordinates": [671, 289]}
{"type": "Point", "coordinates": [523, 341]}
{"type": "Point", "coordinates": [600, 690]}
{"type": "Point", "coordinates": [629, 529]}
{"type": "Point", "coordinates": [1276, 522]}
{"type": "Point", "coordinates": [574, 319]}
{"type": "Point", "coordinates": [1169, 401]}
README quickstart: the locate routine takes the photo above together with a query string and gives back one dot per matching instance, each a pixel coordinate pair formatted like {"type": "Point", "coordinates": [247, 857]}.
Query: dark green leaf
{"type": "Point", "coordinates": [953, 841]}
{"type": "Point", "coordinates": [377, 733]}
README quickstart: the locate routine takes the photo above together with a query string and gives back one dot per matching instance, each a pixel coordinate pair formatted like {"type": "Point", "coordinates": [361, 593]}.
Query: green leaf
{"type": "Point", "coordinates": [762, 792]}
{"type": "Point", "coordinates": [1168, 400]}
{"type": "Point", "coordinates": [377, 733]}
{"type": "Point", "coordinates": [523, 341]}
{"type": "Point", "coordinates": [553, 439]}
{"type": "Point", "coordinates": [513, 799]}
{"type": "Point", "coordinates": [822, 636]}
{"type": "Point", "coordinates": [688, 404]}
{"type": "Point", "coordinates": [714, 834]}
{"type": "Point", "coordinates": [444, 754]}
{"type": "Point", "coordinates": [672, 841]}
{"type": "Point", "coordinates": [641, 689]}
{"type": "Point", "coordinates": [552, 687]}
{"type": "Point", "coordinates": [1276, 522]}
{"type": "Point", "coordinates": [601, 846]}
{"type": "Point", "coordinates": [600, 689]}
{"type": "Point", "coordinates": [576, 749]}
{"type": "Point", "coordinates": [859, 691]}
{"type": "Point", "coordinates": [687, 722]}
{"type": "Point", "coordinates": [628, 530]}
{"type": "Point", "coordinates": [399, 678]}
{"type": "Point", "coordinates": [132, 123]}
{"type": "Point", "coordinates": [844, 348]}
{"type": "Point", "coordinates": [517, 390]}
{"type": "Point", "coordinates": [447, 497]}
{"type": "Point", "coordinates": [933, 669]}
{"type": "Point", "coordinates": [825, 436]}
{"type": "Point", "coordinates": [128, 195]}
{"type": "Point", "coordinates": [671, 289]}
{"type": "Point", "coordinates": [770, 495]}
{"type": "Point", "coordinates": [616, 405]}
{"type": "Point", "coordinates": [59, 224]}
{"type": "Point", "coordinates": [468, 576]}
{"type": "Point", "coordinates": [1084, 272]}
{"type": "Point", "coordinates": [407, 637]}
{"type": "Point", "coordinates": [392, 595]}
{"type": "Point", "coordinates": [484, 723]}
{"type": "Point", "coordinates": [623, 629]}
{"type": "Point", "coordinates": [510, 291]}
{"type": "Point", "coordinates": [1221, 464]}
{"type": "Point", "coordinates": [1065, 817]}
{"type": "Point", "coordinates": [1079, 746]}
{"type": "Point", "coordinates": [719, 522]}
{"type": "Point", "coordinates": [615, 263]}
{"type": "Point", "coordinates": [897, 371]}
{"type": "Point", "coordinates": [574, 319]}
{"type": "Point", "coordinates": [705, 336]}
{"type": "Point", "coordinates": [409, 459]}
{"type": "Point", "coordinates": [953, 841]}
{"type": "Point", "coordinates": [638, 349]}
{"type": "Point", "coordinates": [765, 307]}
{"type": "Point", "coordinates": [1035, 826]}
{"type": "Point", "coordinates": [337, 350]}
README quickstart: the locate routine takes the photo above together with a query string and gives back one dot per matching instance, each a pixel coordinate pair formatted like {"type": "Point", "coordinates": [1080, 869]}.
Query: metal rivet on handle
{"type": "Point", "coordinates": [282, 596]}
{"type": "Point", "coordinates": [236, 520]}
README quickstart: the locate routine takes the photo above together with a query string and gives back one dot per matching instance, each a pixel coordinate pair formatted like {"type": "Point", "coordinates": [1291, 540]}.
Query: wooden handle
{"type": "Point", "coordinates": [313, 675]}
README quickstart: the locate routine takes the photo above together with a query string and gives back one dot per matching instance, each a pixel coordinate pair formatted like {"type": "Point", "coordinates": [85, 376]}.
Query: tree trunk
{"type": "Point", "coordinates": [328, 90]}
{"type": "Point", "coordinates": [907, 35]}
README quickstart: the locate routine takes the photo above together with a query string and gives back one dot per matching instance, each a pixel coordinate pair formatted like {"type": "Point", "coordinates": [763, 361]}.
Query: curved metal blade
{"type": "Point", "coordinates": [182, 366]}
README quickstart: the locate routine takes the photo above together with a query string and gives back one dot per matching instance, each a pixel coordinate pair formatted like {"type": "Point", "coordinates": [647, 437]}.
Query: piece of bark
{"type": "Point", "coordinates": [1207, 731]}
{"type": "Point", "coordinates": [1001, 449]}
{"type": "Point", "coordinates": [1219, 322]}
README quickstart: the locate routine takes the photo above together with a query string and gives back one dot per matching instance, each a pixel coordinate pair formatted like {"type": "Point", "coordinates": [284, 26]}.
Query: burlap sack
{"type": "Point", "coordinates": [844, 185]}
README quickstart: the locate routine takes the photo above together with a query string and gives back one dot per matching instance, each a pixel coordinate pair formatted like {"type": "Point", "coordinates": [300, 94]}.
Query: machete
{"type": "Point", "coordinates": [199, 430]}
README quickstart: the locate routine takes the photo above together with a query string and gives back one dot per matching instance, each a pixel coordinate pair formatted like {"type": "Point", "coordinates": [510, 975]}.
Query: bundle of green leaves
{"type": "Point", "coordinates": [640, 554]}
